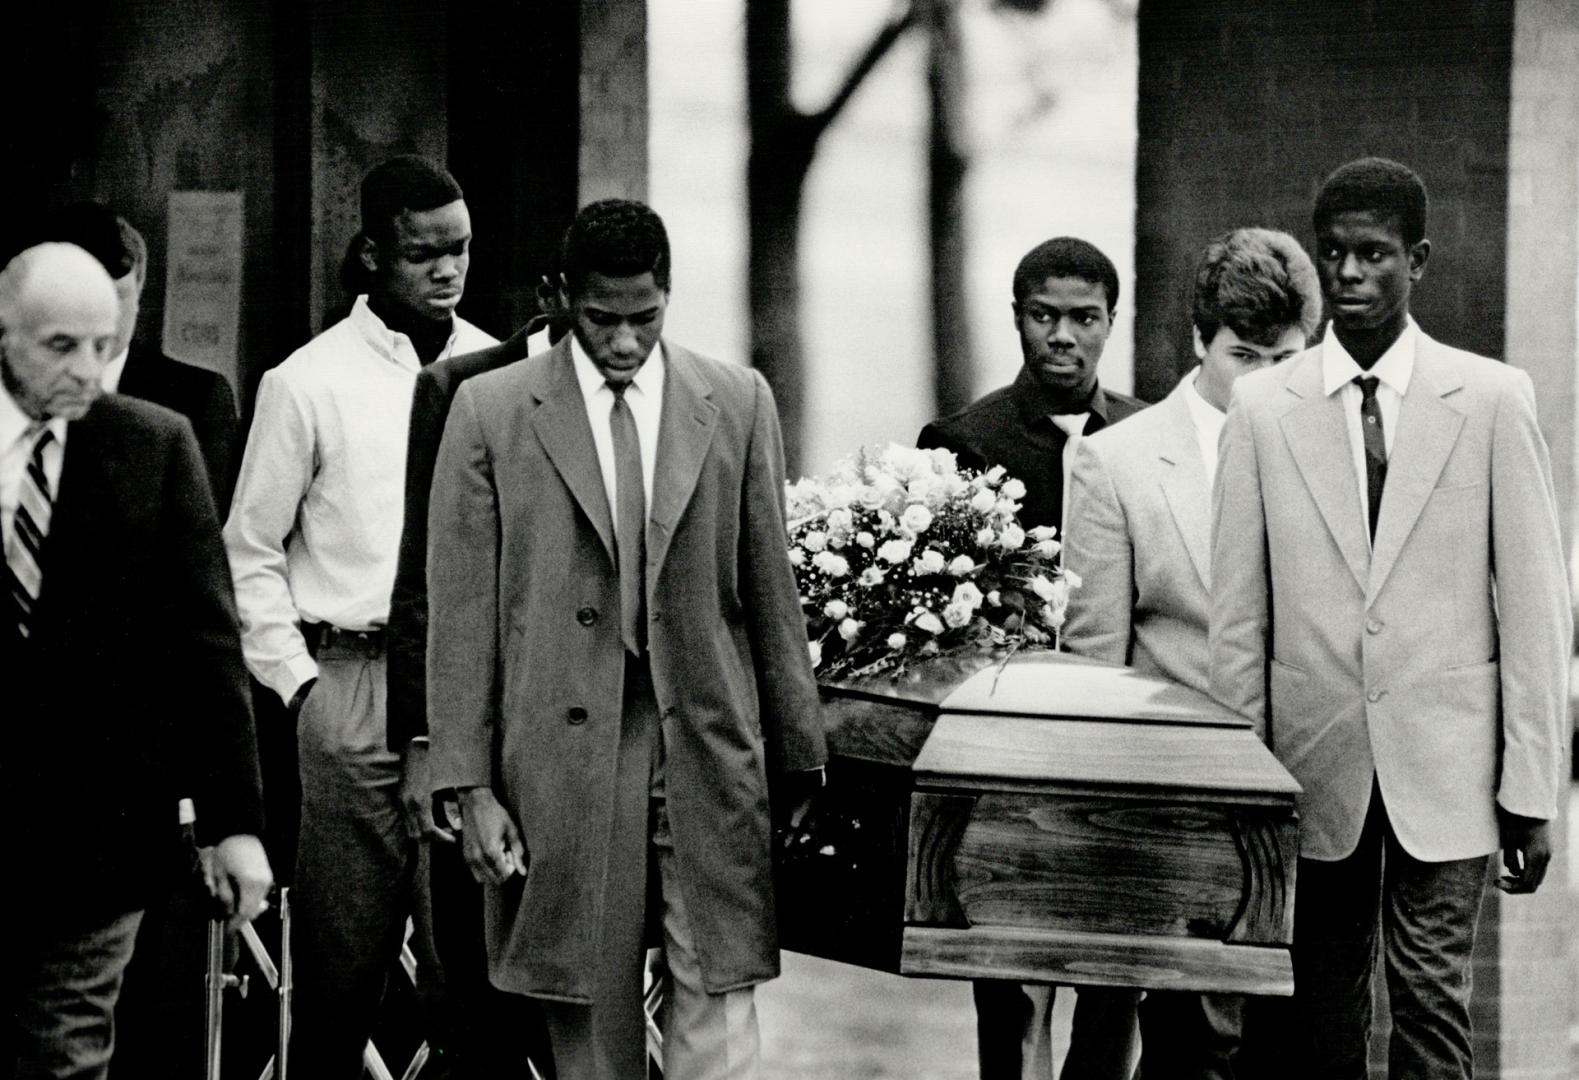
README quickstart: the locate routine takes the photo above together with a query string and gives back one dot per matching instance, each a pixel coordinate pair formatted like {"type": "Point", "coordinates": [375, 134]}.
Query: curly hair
{"type": "Point", "coordinates": [1066, 256]}
{"type": "Point", "coordinates": [1380, 186]}
{"type": "Point", "coordinates": [1258, 283]}
{"type": "Point", "coordinates": [617, 238]}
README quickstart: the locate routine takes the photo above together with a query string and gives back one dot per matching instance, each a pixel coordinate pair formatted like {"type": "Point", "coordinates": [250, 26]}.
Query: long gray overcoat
{"type": "Point", "coordinates": [526, 663]}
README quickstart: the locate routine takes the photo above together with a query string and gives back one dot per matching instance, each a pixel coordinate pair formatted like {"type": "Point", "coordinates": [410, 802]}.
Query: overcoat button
{"type": "Point", "coordinates": [576, 715]}
{"type": "Point", "coordinates": [1374, 696]}
{"type": "Point", "coordinates": [1373, 626]}
{"type": "Point", "coordinates": [587, 616]}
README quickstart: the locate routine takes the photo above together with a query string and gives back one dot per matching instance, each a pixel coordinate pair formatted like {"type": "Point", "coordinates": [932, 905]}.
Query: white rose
{"type": "Point", "coordinates": [894, 551]}
{"type": "Point", "coordinates": [957, 615]}
{"type": "Point", "coordinates": [831, 564]}
{"type": "Point", "coordinates": [931, 562]}
{"type": "Point", "coordinates": [983, 501]}
{"type": "Point", "coordinates": [1013, 488]}
{"type": "Point", "coordinates": [917, 518]}
{"type": "Point", "coordinates": [850, 629]}
{"type": "Point", "coordinates": [815, 540]}
{"type": "Point", "coordinates": [841, 521]}
{"type": "Point", "coordinates": [872, 576]}
{"type": "Point", "coordinates": [815, 647]}
{"type": "Point", "coordinates": [968, 594]}
{"type": "Point", "coordinates": [994, 475]}
{"type": "Point", "coordinates": [869, 498]}
{"type": "Point", "coordinates": [928, 622]}
{"type": "Point", "coordinates": [1052, 616]}
{"type": "Point", "coordinates": [836, 609]}
{"type": "Point", "coordinates": [1042, 587]}
{"type": "Point", "coordinates": [1072, 579]}
{"type": "Point", "coordinates": [1006, 508]}
{"type": "Point", "coordinates": [994, 598]}
{"type": "Point", "coordinates": [985, 537]}
{"type": "Point", "coordinates": [866, 539]}
{"type": "Point", "coordinates": [961, 565]}
{"type": "Point", "coordinates": [1047, 548]}
{"type": "Point", "coordinates": [896, 640]}
{"type": "Point", "coordinates": [1013, 537]}
{"type": "Point", "coordinates": [797, 557]}
{"type": "Point", "coordinates": [1043, 532]}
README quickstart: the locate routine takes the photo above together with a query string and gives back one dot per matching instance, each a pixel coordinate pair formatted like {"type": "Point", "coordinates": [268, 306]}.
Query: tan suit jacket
{"type": "Point", "coordinates": [1139, 537]}
{"type": "Point", "coordinates": [526, 664]}
{"type": "Point", "coordinates": [1437, 663]}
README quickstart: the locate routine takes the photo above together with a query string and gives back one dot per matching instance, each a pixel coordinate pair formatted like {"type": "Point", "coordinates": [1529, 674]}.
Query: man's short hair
{"type": "Point", "coordinates": [1258, 283]}
{"type": "Point", "coordinates": [405, 182]}
{"type": "Point", "coordinates": [102, 233]}
{"type": "Point", "coordinates": [616, 238]}
{"type": "Point", "coordinates": [1069, 257]}
{"type": "Point", "coordinates": [1377, 185]}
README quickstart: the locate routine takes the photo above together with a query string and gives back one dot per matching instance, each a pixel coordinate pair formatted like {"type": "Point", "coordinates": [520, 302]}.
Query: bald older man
{"type": "Point", "coordinates": [124, 688]}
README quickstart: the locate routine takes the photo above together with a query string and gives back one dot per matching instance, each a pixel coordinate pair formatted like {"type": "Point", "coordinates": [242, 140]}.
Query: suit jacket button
{"type": "Point", "coordinates": [1373, 626]}
{"type": "Point", "coordinates": [587, 616]}
{"type": "Point", "coordinates": [576, 715]}
{"type": "Point", "coordinates": [1374, 696]}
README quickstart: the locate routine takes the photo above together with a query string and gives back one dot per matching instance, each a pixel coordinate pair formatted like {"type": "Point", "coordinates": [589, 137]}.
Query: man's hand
{"type": "Point", "coordinates": [1526, 851]}
{"type": "Point", "coordinates": [490, 841]}
{"type": "Point", "coordinates": [797, 792]}
{"type": "Point", "coordinates": [236, 872]}
{"type": "Point", "coordinates": [416, 800]}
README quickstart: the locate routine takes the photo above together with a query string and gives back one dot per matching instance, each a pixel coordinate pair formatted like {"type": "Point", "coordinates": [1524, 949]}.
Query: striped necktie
{"type": "Point", "coordinates": [28, 529]}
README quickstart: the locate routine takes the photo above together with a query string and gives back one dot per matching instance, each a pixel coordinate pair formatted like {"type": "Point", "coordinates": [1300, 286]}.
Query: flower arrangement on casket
{"type": "Point", "coordinates": [900, 554]}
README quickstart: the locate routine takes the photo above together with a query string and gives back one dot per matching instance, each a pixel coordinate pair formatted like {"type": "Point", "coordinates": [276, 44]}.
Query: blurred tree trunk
{"type": "Point", "coordinates": [783, 144]}
{"type": "Point", "coordinates": [946, 166]}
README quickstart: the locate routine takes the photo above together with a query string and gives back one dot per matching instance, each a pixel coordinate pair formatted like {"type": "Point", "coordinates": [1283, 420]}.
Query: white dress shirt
{"type": "Point", "coordinates": [16, 448]}
{"type": "Point", "coordinates": [1393, 370]}
{"type": "Point", "coordinates": [645, 398]}
{"type": "Point", "coordinates": [110, 377]}
{"type": "Point", "coordinates": [314, 528]}
{"type": "Point", "coordinates": [1208, 422]}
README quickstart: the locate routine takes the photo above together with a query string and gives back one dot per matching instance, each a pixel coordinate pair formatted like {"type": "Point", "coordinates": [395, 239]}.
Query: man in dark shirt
{"type": "Point", "coordinates": [1065, 293]}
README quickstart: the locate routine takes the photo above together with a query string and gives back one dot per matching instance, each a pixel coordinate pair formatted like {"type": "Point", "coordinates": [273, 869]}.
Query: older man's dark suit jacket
{"type": "Point", "coordinates": [130, 693]}
{"type": "Point", "coordinates": [1008, 427]}
{"type": "Point", "coordinates": [200, 395]}
{"type": "Point", "coordinates": [407, 631]}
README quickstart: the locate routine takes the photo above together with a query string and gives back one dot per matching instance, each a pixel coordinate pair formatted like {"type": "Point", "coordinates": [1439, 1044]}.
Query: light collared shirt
{"type": "Point", "coordinates": [1393, 370]}
{"type": "Point", "coordinates": [1208, 422]}
{"type": "Point", "coordinates": [645, 398]}
{"type": "Point", "coordinates": [17, 437]}
{"type": "Point", "coordinates": [110, 377]}
{"type": "Point", "coordinates": [314, 529]}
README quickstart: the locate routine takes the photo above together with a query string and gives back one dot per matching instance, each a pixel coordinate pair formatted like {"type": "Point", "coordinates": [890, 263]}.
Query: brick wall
{"type": "Point", "coordinates": [1244, 108]}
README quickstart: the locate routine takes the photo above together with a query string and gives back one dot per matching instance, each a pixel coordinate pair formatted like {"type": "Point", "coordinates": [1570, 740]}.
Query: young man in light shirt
{"type": "Point", "coordinates": [312, 537]}
{"type": "Point", "coordinates": [1140, 540]}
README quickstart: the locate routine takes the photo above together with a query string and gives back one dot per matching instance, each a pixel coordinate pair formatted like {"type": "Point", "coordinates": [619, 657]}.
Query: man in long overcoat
{"type": "Point", "coordinates": [618, 664]}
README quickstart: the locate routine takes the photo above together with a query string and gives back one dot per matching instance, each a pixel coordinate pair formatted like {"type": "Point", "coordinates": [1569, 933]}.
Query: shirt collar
{"type": "Point", "coordinates": [648, 379]}
{"type": "Point", "coordinates": [386, 342]}
{"type": "Point", "coordinates": [110, 378]}
{"type": "Point", "coordinates": [1394, 367]}
{"type": "Point", "coordinates": [1033, 403]}
{"type": "Point", "coordinates": [1203, 412]}
{"type": "Point", "coordinates": [14, 423]}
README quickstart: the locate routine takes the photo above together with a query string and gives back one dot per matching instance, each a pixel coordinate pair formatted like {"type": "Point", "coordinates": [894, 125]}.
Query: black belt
{"type": "Point", "coordinates": [322, 636]}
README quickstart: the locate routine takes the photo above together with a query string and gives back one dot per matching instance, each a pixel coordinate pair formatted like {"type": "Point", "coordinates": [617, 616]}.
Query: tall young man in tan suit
{"type": "Point", "coordinates": [1139, 537]}
{"type": "Point", "coordinates": [1390, 607]}
{"type": "Point", "coordinates": [617, 666]}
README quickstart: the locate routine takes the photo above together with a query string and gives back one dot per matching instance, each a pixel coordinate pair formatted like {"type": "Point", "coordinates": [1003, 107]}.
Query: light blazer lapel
{"type": "Point", "coordinates": [1318, 438]}
{"type": "Point", "coordinates": [560, 422]}
{"type": "Point", "coordinates": [1184, 483]}
{"type": "Point", "coordinates": [684, 434]}
{"type": "Point", "coordinates": [1428, 426]}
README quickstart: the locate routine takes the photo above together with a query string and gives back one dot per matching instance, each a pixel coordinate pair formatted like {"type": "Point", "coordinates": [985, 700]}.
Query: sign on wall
{"type": "Point", "coordinates": [202, 305]}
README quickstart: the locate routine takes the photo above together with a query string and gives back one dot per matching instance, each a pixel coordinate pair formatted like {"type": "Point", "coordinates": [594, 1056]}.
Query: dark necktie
{"type": "Point", "coordinates": [28, 529]}
{"type": "Point", "coordinates": [1375, 447]}
{"type": "Point", "coordinates": [630, 519]}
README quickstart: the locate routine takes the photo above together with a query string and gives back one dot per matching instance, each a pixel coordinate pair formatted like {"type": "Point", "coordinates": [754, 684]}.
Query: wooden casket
{"type": "Point", "coordinates": [1051, 819]}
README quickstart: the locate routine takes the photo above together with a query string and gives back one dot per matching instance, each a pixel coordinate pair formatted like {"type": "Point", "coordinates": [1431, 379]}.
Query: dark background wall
{"type": "Point", "coordinates": [1244, 109]}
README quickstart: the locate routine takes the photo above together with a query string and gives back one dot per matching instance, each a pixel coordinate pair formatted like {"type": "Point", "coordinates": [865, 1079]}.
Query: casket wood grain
{"type": "Point", "coordinates": [1050, 819]}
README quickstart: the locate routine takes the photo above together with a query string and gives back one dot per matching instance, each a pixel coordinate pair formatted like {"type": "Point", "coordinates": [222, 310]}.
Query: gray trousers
{"type": "Point", "coordinates": [358, 875]}
{"type": "Point", "coordinates": [60, 989]}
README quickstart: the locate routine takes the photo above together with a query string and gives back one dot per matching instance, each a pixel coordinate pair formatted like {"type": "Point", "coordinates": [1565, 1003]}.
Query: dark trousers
{"type": "Point", "coordinates": [1189, 1036]}
{"type": "Point", "coordinates": [495, 1033]}
{"type": "Point", "coordinates": [1423, 915]}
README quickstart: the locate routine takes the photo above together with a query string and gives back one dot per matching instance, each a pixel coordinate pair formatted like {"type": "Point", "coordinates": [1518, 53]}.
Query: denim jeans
{"type": "Point", "coordinates": [60, 984]}
{"type": "Point", "coordinates": [1423, 914]}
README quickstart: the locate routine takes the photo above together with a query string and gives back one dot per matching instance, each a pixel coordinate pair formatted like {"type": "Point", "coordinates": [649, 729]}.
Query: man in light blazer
{"type": "Point", "coordinates": [1140, 539]}
{"type": "Point", "coordinates": [1390, 608]}
{"type": "Point", "coordinates": [617, 666]}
